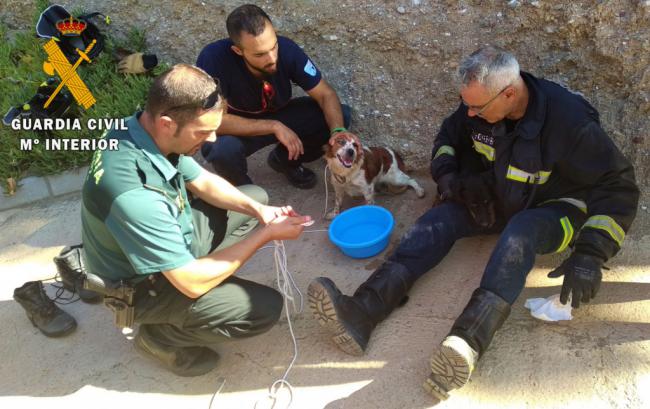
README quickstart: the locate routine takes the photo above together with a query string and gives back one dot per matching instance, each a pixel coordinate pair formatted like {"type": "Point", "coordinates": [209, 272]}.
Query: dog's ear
{"type": "Point", "coordinates": [360, 153]}
{"type": "Point", "coordinates": [327, 150]}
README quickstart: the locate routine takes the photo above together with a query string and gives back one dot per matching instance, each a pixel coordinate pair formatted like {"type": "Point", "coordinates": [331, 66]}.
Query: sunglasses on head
{"type": "Point", "coordinates": [208, 102]}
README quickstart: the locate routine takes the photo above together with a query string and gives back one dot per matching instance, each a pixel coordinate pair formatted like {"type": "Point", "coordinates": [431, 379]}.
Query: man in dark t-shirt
{"type": "Point", "coordinates": [256, 68]}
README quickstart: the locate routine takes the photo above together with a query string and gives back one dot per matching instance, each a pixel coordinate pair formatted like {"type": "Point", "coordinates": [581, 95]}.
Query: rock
{"type": "Point", "coordinates": [410, 63]}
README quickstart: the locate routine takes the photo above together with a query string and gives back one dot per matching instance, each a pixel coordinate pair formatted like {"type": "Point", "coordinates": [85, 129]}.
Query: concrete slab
{"type": "Point", "coordinates": [601, 359]}
{"type": "Point", "coordinates": [67, 182]}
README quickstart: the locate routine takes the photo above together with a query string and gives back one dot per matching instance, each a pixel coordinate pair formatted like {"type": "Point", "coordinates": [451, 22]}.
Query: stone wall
{"type": "Point", "coordinates": [394, 61]}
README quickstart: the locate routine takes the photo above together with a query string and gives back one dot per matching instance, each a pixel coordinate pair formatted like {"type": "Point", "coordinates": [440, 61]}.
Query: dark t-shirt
{"type": "Point", "coordinates": [243, 91]}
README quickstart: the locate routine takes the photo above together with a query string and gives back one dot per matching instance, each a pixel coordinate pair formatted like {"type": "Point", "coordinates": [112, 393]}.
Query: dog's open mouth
{"type": "Point", "coordinates": [345, 162]}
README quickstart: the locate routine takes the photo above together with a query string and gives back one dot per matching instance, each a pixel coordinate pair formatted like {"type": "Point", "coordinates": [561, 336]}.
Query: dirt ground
{"type": "Point", "coordinates": [600, 359]}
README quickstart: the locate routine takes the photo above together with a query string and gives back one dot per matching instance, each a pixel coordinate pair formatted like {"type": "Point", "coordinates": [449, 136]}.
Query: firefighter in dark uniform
{"type": "Point", "coordinates": [522, 156]}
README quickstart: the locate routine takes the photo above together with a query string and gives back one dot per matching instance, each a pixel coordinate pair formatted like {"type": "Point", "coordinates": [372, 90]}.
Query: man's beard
{"type": "Point", "coordinates": [265, 72]}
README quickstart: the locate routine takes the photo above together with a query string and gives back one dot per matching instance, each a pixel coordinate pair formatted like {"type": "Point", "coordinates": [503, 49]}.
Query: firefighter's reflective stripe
{"type": "Point", "coordinates": [568, 234]}
{"type": "Point", "coordinates": [519, 175]}
{"type": "Point", "coordinates": [445, 150]}
{"type": "Point", "coordinates": [576, 202]}
{"type": "Point", "coordinates": [609, 225]}
{"type": "Point", "coordinates": [485, 150]}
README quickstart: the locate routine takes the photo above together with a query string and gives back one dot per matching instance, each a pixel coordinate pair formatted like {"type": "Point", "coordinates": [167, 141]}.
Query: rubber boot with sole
{"type": "Point", "coordinates": [453, 362]}
{"type": "Point", "coordinates": [351, 320]}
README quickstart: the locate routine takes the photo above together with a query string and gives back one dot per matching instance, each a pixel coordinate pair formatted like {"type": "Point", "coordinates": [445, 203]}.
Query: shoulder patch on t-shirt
{"type": "Point", "coordinates": [310, 68]}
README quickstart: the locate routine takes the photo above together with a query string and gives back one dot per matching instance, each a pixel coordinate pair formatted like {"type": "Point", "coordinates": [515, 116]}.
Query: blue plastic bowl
{"type": "Point", "coordinates": [362, 231]}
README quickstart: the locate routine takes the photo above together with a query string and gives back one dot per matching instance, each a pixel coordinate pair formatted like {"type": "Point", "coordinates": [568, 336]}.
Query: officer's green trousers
{"type": "Point", "coordinates": [236, 308]}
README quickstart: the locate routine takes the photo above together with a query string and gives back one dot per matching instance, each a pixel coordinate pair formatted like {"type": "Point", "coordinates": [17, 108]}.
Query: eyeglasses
{"type": "Point", "coordinates": [481, 108]}
{"type": "Point", "coordinates": [268, 93]}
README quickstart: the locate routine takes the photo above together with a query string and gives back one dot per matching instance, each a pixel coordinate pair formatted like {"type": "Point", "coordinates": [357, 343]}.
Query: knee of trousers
{"type": "Point", "coordinates": [255, 192]}
{"type": "Point", "coordinates": [267, 308]}
{"type": "Point", "coordinates": [228, 150]}
{"type": "Point", "coordinates": [520, 232]}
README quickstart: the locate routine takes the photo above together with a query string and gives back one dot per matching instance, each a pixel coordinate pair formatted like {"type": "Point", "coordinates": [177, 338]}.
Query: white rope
{"type": "Point", "coordinates": [286, 286]}
{"type": "Point", "coordinates": [222, 382]}
{"type": "Point", "coordinates": [326, 189]}
{"type": "Point", "coordinates": [284, 279]}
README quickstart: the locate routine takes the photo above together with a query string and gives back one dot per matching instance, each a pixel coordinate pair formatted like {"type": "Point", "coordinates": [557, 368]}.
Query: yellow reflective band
{"type": "Point", "coordinates": [609, 225]}
{"type": "Point", "coordinates": [445, 150]}
{"type": "Point", "coordinates": [519, 175]}
{"type": "Point", "coordinates": [568, 234]}
{"type": "Point", "coordinates": [98, 175]}
{"type": "Point", "coordinates": [576, 202]}
{"type": "Point", "coordinates": [485, 150]}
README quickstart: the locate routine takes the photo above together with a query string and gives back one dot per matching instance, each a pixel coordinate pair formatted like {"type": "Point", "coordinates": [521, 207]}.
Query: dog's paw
{"type": "Point", "coordinates": [420, 192]}
{"type": "Point", "coordinates": [331, 215]}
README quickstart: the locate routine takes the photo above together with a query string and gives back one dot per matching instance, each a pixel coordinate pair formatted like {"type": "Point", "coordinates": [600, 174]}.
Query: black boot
{"type": "Point", "coordinates": [71, 268]}
{"type": "Point", "coordinates": [452, 364]}
{"type": "Point", "coordinates": [352, 319]}
{"type": "Point", "coordinates": [299, 176]}
{"type": "Point", "coordinates": [42, 312]}
{"type": "Point", "coordinates": [183, 361]}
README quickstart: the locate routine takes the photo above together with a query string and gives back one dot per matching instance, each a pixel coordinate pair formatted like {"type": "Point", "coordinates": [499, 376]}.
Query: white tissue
{"type": "Point", "coordinates": [549, 309]}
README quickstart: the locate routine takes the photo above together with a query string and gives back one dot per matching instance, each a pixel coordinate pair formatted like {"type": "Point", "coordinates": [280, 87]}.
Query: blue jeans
{"type": "Point", "coordinates": [302, 115]}
{"type": "Point", "coordinates": [527, 233]}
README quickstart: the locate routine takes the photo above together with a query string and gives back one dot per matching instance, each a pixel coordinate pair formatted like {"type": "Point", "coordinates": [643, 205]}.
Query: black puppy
{"type": "Point", "coordinates": [473, 186]}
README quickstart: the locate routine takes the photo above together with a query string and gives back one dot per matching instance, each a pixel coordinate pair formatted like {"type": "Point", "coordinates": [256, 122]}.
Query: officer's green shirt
{"type": "Point", "coordinates": [136, 219]}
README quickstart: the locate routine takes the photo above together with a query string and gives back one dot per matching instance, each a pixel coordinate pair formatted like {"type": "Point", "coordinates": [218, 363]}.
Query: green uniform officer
{"type": "Point", "coordinates": [139, 225]}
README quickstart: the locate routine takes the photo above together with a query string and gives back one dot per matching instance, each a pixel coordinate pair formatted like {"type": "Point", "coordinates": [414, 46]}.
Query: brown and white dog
{"type": "Point", "coordinates": [358, 171]}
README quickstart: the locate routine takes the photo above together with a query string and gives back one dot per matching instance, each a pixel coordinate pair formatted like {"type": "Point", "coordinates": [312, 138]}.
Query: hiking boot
{"type": "Point", "coordinates": [299, 176]}
{"type": "Point", "coordinates": [182, 361]}
{"type": "Point", "coordinates": [351, 320]}
{"type": "Point", "coordinates": [42, 312]}
{"type": "Point", "coordinates": [71, 268]}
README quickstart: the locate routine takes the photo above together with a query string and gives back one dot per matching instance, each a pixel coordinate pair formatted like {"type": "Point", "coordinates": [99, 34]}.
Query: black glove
{"type": "Point", "coordinates": [475, 191]}
{"type": "Point", "coordinates": [582, 276]}
{"type": "Point", "coordinates": [444, 185]}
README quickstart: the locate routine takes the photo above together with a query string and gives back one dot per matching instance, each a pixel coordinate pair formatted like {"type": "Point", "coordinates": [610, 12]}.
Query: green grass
{"type": "Point", "coordinates": [117, 95]}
